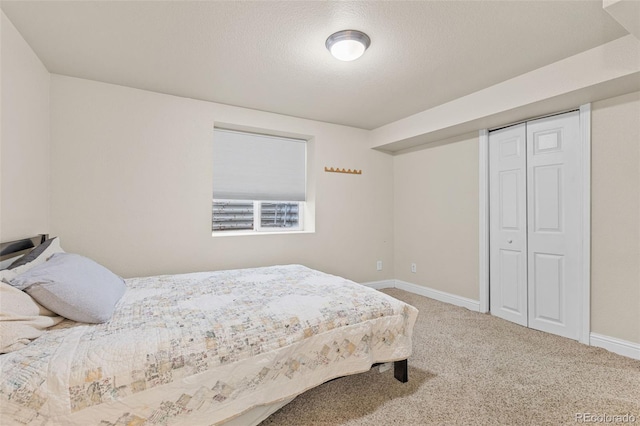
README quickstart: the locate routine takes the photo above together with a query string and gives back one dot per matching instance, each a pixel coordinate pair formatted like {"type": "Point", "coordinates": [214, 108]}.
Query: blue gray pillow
{"type": "Point", "coordinates": [74, 287]}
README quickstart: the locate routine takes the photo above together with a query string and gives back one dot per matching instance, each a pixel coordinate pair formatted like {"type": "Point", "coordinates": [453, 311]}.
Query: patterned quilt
{"type": "Point", "coordinates": [202, 348]}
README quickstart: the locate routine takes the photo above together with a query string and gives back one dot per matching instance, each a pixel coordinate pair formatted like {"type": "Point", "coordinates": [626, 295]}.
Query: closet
{"type": "Point", "coordinates": [535, 224]}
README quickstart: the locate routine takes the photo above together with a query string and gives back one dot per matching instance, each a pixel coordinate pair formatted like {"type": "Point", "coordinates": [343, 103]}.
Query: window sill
{"type": "Point", "coordinates": [220, 234]}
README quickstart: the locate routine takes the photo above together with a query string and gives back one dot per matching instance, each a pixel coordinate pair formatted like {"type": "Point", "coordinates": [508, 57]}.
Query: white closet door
{"type": "Point", "coordinates": [554, 161]}
{"type": "Point", "coordinates": [508, 223]}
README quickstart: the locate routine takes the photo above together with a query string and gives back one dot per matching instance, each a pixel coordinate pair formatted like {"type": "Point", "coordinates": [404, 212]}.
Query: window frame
{"type": "Point", "coordinates": [306, 206]}
{"type": "Point", "coordinates": [258, 228]}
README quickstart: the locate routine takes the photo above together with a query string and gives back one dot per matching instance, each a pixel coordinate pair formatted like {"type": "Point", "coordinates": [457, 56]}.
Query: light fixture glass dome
{"type": "Point", "coordinates": [348, 45]}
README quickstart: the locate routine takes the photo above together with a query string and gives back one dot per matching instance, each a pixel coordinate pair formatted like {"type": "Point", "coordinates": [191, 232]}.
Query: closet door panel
{"type": "Point", "coordinates": [554, 227]}
{"type": "Point", "coordinates": [549, 286]}
{"type": "Point", "coordinates": [547, 211]}
{"type": "Point", "coordinates": [511, 291]}
{"type": "Point", "coordinates": [508, 224]}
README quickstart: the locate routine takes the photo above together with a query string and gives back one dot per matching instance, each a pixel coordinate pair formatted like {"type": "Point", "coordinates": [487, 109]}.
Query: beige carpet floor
{"type": "Point", "coordinates": [475, 369]}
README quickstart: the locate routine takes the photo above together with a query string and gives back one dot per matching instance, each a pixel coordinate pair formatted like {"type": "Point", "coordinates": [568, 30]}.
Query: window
{"type": "Point", "coordinates": [280, 216]}
{"type": "Point", "coordinates": [229, 215]}
{"type": "Point", "coordinates": [232, 215]}
{"type": "Point", "coordinates": [259, 182]}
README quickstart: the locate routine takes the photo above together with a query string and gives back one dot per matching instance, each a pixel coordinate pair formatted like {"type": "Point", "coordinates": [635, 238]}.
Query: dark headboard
{"type": "Point", "coordinates": [16, 248]}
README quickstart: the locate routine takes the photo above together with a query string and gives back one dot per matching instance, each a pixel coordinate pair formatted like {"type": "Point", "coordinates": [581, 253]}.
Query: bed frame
{"type": "Point", "coordinates": [401, 370]}
{"type": "Point", "coordinates": [16, 248]}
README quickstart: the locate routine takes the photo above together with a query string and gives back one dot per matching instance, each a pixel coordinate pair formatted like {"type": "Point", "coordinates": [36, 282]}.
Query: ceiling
{"type": "Point", "coordinates": [270, 55]}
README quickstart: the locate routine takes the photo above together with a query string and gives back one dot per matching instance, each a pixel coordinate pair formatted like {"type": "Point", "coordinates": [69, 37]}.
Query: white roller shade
{"type": "Point", "coordinates": [248, 166]}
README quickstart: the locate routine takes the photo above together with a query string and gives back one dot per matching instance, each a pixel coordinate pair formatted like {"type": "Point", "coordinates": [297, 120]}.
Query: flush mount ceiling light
{"type": "Point", "coordinates": [348, 45]}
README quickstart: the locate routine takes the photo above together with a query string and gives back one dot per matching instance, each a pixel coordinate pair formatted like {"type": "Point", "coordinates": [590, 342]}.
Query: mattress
{"type": "Point", "coordinates": [203, 348]}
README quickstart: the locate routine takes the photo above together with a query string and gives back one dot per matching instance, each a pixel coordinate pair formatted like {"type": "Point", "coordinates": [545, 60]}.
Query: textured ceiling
{"type": "Point", "coordinates": [271, 56]}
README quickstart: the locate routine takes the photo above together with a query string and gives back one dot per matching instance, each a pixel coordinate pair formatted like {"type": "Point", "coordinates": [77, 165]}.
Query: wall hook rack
{"type": "Point", "coordinates": [339, 170]}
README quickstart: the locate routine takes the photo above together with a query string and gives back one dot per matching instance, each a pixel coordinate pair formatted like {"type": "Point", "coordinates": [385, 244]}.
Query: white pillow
{"type": "Point", "coordinates": [22, 319]}
{"type": "Point", "coordinates": [35, 257]}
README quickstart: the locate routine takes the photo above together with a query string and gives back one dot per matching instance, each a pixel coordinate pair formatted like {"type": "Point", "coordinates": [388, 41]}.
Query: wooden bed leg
{"type": "Point", "coordinates": [401, 370]}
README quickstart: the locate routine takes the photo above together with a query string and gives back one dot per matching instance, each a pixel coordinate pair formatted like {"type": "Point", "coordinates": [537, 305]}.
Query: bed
{"type": "Point", "coordinates": [204, 348]}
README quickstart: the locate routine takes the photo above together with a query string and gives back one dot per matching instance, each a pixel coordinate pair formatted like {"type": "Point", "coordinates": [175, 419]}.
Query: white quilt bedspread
{"type": "Point", "coordinates": [201, 348]}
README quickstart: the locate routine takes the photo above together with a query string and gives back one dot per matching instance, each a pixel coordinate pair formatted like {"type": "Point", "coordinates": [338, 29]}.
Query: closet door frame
{"type": "Point", "coordinates": [483, 168]}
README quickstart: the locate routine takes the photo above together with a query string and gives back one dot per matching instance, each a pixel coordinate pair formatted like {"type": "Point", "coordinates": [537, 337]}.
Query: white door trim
{"type": "Point", "coordinates": [483, 179]}
{"type": "Point", "coordinates": [585, 141]}
{"type": "Point", "coordinates": [483, 186]}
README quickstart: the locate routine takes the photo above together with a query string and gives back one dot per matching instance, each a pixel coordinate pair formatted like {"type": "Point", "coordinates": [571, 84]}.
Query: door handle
{"type": "Point", "coordinates": [509, 241]}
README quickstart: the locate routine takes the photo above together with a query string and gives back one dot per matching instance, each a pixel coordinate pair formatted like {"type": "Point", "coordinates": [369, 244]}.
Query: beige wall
{"type": "Point", "coordinates": [130, 187]}
{"type": "Point", "coordinates": [24, 143]}
{"type": "Point", "coordinates": [615, 222]}
{"type": "Point", "coordinates": [436, 216]}
{"type": "Point", "coordinates": [132, 181]}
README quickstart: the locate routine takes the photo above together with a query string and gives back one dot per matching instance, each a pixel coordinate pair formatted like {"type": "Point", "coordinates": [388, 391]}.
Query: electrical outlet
{"type": "Point", "coordinates": [379, 265]}
{"type": "Point", "coordinates": [414, 268]}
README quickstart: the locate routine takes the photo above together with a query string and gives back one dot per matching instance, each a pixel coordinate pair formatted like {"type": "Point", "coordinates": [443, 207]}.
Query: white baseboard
{"type": "Point", "coordinates": [381, 284]}
{"type": "Point", "coordinates": [618, 346]}
{"type": "Point", "coordinates": [441, 296]}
